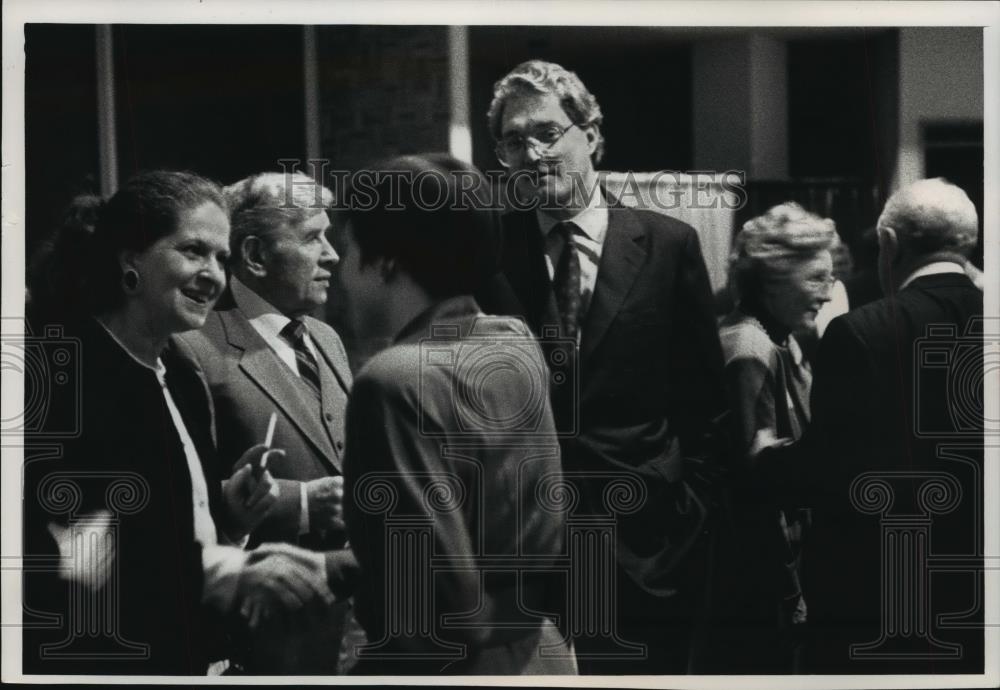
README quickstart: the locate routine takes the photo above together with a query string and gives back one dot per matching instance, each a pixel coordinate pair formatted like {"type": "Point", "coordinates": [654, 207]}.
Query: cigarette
{"type": "Point", "coordinates": [270, 429]}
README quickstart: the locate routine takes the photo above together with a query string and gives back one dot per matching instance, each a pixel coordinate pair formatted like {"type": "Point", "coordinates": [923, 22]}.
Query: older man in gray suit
{"type": "Point", "coordinates": [262, 353]}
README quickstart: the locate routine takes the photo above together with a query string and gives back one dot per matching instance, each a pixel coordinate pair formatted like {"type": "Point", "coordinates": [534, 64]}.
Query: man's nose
{"type": "Point", "coordinates": [826, 292]}
{"type": "Point", "coordinates": [214, 274]}
{"type": "Point", "coordinates": [532, 151]}
{"type": "Point", "coordinates": [329, 254]}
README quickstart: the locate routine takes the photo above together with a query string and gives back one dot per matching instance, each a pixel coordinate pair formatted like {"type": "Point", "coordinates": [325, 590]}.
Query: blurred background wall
{"type": "Point", "coordinates": [834, 118]}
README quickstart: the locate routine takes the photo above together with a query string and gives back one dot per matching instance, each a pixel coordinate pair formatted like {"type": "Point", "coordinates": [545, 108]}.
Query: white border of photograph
{"type": "Point", "coordinates": [442, 12]}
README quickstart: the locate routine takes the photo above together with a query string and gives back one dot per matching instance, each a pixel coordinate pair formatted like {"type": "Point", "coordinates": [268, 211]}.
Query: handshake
{"type": "Point", "coordinates": [281, 578]}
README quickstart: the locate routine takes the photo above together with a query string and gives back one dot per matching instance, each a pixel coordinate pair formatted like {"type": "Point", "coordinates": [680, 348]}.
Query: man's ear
{"type": "Point", "coordinates": [888, 245]}
{"type": "Point", "coordinates": [888, 259]}
{"type": "Point", "coordinates": [590, 131]}
{"type": "Point", "coordinates": [253, 256]}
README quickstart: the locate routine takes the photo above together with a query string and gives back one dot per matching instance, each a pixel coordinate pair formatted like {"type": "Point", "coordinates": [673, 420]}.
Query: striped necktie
{"type": "Point", "coordinates": [566, 280]}
{"type": "Point", "coordinates": [295, 334]}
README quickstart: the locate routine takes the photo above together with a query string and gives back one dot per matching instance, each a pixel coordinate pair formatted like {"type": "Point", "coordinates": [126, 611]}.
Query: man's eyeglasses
{"type": "Point", "coordinates": [541, 140]}
{"type": "Point", "coordinates": [820, 282]}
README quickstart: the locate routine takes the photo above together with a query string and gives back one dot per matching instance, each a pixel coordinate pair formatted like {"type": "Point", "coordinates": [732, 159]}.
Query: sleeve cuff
{"type": "Point", "coordinates": [303, 509]}
{"type": "Point", "coordinates": [222, 566]}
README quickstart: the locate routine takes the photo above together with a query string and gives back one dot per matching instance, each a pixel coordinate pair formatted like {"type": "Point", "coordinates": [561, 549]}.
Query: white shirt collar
{"type": "Point", "coordinates": [592, 220]}
{"type": "Point", "coordinates": [262, 315]}
{"type": "Point", "coordinates": [933, 269]}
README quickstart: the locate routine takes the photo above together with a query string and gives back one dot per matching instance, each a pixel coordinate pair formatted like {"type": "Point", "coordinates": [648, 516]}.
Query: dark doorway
{"type": "Point", "coordinates": [224, 101]}
{"type": "Point", "coordinates": [60, 123]}
{"type": "Point", "coordinates": [955, 151]}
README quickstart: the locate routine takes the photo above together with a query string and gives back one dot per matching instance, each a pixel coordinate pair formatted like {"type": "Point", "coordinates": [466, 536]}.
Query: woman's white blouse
{"type": "Point", "coordinates": [221, 563]}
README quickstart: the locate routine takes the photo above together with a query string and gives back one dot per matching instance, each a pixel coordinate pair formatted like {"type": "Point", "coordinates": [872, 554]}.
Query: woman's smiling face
{"type": "Point", "coordinates": [182, 274]}
{"type": "Point", "coordinates": [795, 300]}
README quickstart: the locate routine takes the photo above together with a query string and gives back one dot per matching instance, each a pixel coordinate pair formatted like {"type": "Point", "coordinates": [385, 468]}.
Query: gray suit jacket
{"type": "Point", "coordinates": [449, 458]}
{"type": "Point", "coordinates": [248, 382]}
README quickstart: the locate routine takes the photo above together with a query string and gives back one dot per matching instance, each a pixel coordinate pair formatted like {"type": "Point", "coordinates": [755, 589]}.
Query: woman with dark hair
{"type": "Point", "coordinates": [781, 271]}
{"type": "Point", "coordinates": [137, 484]}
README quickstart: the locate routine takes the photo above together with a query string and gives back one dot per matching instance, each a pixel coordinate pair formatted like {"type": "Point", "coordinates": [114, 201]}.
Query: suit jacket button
{"type": "Point", "coordinates": [340, 445]}
{"type": "Point", "coordinates": [329, 416]}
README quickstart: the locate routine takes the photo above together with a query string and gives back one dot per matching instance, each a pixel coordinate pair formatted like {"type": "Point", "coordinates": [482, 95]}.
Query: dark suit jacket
{"type": "Point", "coordinates": [426, 450]}
{"type": "Point", "coordinates": [128, 440]}
{"type": "Point", "coordinates": [880, 405]}
{"type": "Point", "coordinates": [650, 378]}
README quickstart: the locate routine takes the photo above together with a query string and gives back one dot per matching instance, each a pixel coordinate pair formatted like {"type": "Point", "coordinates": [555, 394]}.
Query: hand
{"type": "Point", "coordinates": [763, 439]}
{"type": "Point", "coordinates": [281, 577]}
{"type": "Point", "coordinates": [88, 560]}
{"type": "Point", "coordinates": [248, 498]}
{"type": "Point", "coordinates": [326, 504]}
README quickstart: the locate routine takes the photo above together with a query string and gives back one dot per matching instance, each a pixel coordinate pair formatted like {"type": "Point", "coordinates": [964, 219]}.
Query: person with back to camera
{"type": "Point", "coordinates": [432, 428]}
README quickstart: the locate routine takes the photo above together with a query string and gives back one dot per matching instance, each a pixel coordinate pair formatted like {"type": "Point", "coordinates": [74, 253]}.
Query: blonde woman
{"type": "Point", "coordinates": [782, 272]}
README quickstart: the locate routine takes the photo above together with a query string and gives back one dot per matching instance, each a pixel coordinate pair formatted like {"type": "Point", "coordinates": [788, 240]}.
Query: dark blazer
{"type": "Point", "coordinates": [650, 378]}
{"type": "Point", "coordinates": [422, 463]}
{"type": "Point", "coordinates": [880, 405]}
{"type": "Point", "coordinates": [127, 459]}
{"type": "Point", "coordinates": [248, 382]}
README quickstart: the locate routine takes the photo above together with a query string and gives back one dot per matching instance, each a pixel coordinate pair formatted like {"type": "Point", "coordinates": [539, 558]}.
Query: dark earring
{"type": "Point", "coordinates": [130, 280]}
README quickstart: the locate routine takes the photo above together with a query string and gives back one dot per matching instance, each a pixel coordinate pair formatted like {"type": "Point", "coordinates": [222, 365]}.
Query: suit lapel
{"type": "Point", "coordinates": [335, 388]}
{"type": "Point", "coordinates": [335, 359]}
{"type": "Point", "coordinates": [621, 258]}
{"type": "Point", "coordinates": [263, 367]}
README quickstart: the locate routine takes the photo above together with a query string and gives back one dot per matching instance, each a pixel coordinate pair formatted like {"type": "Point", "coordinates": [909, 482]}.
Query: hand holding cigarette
{"type": "Point", "coordinates": [251, 491]}
{"type": "Point", "coordinates": [260, 467]}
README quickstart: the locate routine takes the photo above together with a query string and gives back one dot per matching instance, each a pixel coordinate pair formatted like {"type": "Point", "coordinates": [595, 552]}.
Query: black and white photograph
{"type": "Point", "coordinates": [445, 342]}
